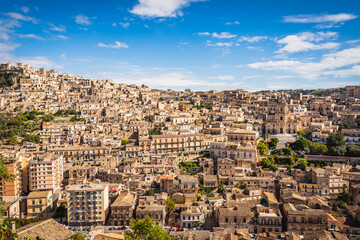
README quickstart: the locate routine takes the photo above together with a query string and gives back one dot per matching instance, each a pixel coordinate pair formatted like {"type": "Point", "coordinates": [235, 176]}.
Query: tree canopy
{"type": "Point", "coordinates": [146, 229]}
{"type": "Point", "coordinates": [263, 148]}
{"type": "Point", "coordinates": [273, 143]}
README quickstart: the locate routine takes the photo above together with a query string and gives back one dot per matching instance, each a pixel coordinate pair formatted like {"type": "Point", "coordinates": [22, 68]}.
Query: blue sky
{"type": "Point", "coordinates": [178, 44]}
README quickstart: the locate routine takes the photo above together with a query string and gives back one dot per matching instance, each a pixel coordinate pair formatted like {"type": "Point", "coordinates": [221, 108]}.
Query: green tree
{"type": "Point", "coordinates": [302, 163]}
{"type": "Point", "coordinates": [274, 167]}
{"type": "Point", "coordinates": [307, 134]}
{"type": "Point", "coordinates": [150, 192]}
{"type": "Point", "coordinates": [345, 126]}
{"type": "Point", "coordinates": [32, 138]}
{"type": "Point", "coordinates": [147, 118]}
{"type": "Point", "coordinates": [343, 205]}
{"type": "Point", "coordinates": [78, 236]}
{"type": "Point", "coordinates": [263, 148]}
{"type": "Point", "coordinates": [287, 151]}
{"type": "Point", "coordinates": [146, 229]}
{"type": "Point", "coordinates": [300, 144]}
{"type": "Point", "coordinates": [345, 195]}
{"type": "Point", "coordinates": [335, 143]}
{"type": "Point", "coordinates": [273, 143]}
{"type": "Point", "coordinates": [317, 148]}
{"type": "Point", "coordinates": [267, 162]}
{"type": "Point", "coordinates": [48, 118]}
{"type": "Point", "coordinates": [243, 186]}
{"type": "Point", "coordinates": [13, 141]}
{"type": "Point", "coordinates": [124, 142]}
{"type": "Point", "coordinates": [4, 173]}
{"type": "Point", "coordinates": [353, 150]}
{"type": "Point", "coordinates": [338, 151]}
{"type": "Point", "coordinates": [220, 188]}
{"type": "Point", "coordinates": [170, 204]}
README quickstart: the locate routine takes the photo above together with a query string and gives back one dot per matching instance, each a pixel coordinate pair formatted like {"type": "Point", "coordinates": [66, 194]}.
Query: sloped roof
{"type": "Point", "coordinates": [47, 229]}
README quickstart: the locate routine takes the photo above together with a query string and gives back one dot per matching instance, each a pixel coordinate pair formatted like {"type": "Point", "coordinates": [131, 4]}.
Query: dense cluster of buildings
{"type": "Point", "coordinates": [124, 152]}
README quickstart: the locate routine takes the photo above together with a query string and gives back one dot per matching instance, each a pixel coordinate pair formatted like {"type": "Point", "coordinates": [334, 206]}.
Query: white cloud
{"type": "Point", "coordinates": [223, 77]}
{"type": "Point", "coordinates": [60, 37]}
{"type": "Point", "coordinates": [255, 48]}
{"type": "Point", "coordinates": [7, 47]}
{"type": "Point", "coordinates": [82, 20]}
{"type": "Point", "coordinates": [232, 23]}
{"type": "Point", "coordinates": [160, 78]}
{"type": "Point", "coordinates": [353, 41]}
{"type": "Point", "coordinates": [160, 8]}
{"type": "Point", "coordinates": [329, 64]}
{"type": "Point", "coordinates": [204, 34]}
{"type": "Point", "coordinates": [305, 41]}
{"type": "Point", "coordinates": [63, 56]}
{"type": "Point", "coordinates": [268, 77]}
{"type": "Point", "coordinates": [354, 71]}
{"type": "Point", "coordinates": [6, 27]}
{"type": "Point", "coordinates": [21, 17]}
{"type": "Point", "coordinates": [58, 29]}
{"type": "Point", "coordinates": [116, 44]}
{"type": "Point", "coordinates": [220, 44]}
{"type": "Point", "coordinates": [31, 35]}
{"type": "Point", "coordinates": [326, 18]}
{"type": "Point", "coordinates": [253, 39]}
{"type": "Point", "coordinates": [216, 66]}
{"type": "Point", "coordinates": [36, 62]}
{"type": "Point", "coordinates": [25, 9]}
{"type": "Point", "coordinates": [124, 24]}
{"type": "Point", "coordinates": [223, 35]}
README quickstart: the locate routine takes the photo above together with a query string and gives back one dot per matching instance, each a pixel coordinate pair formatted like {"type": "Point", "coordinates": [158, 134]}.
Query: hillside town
{"type": "Point", "coordinates": [93, 157]}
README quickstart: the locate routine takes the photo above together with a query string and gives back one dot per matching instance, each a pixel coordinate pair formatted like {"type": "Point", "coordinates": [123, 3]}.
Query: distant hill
{"type": "Point", "coordinates": [324, 92]}
{"type": "Point", "coordinates": [316, 92]}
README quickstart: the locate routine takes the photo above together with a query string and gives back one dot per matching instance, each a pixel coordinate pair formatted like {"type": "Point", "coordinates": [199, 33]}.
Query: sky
{"type": "Point", "coordinates": [197, 44]}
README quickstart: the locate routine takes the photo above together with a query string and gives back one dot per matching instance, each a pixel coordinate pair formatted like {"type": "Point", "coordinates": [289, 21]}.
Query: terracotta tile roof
{"type": "Point", "coordinates": [47, 229]}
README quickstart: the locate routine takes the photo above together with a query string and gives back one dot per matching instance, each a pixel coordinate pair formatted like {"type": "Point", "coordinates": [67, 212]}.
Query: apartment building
{"type": "Point", "coordinates": [238, 216]}
{"type": "Point", "coordinates": [167, 184]}
{"type": "Point", "coordinates": [177, 143]}
{"type": "Point", "coordinates": [191, 217]}
{"type": "Point", "coordinates": [299, 220]}
{"type": "Point", "coordinates": [39, 204]}
{"type": "Point", "coordinates": [87, 204]}
{"type": "Point", "coordinates": [46, 173]}
{"type": "Point", "coordinates": [10, 190]}
{"type": "Point", "coordinates": [122, 209]}
{"type": "Point", "coordinates": [243, 137]}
